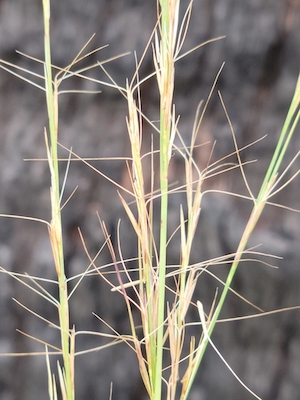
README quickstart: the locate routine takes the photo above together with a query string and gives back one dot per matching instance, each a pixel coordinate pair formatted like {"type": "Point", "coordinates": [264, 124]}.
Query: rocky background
{"type": "Point", "coordinates": [261, 52]}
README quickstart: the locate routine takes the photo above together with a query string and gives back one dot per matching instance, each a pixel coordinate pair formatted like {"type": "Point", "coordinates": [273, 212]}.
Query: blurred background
{"type": "Point", "coordinates": [261, 52]}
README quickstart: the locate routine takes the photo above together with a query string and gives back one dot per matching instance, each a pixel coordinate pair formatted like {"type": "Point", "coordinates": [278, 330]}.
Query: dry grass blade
{"type": "Point", "coordinates": [160, 293]}
{"type": "Point", "coordinates": [84, 161]}
{"type": "Point", "coordinates": [42, 292]}
{"type": "Point", "coordinates": [52, 391]}
{"type": "Point", "coordinates": [207, 337]}
{"type": "Point", "coordinates": [40, 341]}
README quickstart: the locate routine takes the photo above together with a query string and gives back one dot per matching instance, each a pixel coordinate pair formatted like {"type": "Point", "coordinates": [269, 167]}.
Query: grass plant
{"type": "Point", "coordinates": [168, 358]}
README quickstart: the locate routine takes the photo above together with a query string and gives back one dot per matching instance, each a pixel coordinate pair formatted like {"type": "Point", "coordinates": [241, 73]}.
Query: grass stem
{"type": "Point", "coordinates": [55, 230]}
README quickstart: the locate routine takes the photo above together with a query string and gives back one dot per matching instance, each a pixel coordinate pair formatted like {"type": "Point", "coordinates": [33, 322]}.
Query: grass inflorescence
{"type": "Point", "coordinates": [167, 356]}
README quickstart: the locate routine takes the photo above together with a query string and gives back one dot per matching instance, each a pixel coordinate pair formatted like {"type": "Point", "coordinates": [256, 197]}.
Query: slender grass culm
{"type": "Point", "coordinates": [66, 372]}
{"type": "Point", "coordinates": [167, 355]}
{"type": "Point", "coordinates": [165, 322]}
{"type": "Point", "coordinates": [164, 328]}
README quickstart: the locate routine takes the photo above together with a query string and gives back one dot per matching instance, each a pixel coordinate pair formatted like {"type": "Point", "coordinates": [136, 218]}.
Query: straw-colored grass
{"type": "Point", "coordinates": [163, 293]}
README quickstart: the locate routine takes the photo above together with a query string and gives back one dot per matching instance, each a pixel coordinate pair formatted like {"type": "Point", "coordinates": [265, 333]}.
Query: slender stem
{"type": "Point", "coordinates": [266, 188]}
{"type": "Point", "coordinates": [288, 129]}
{"type": "Point", "coordinates": [166, 96]}
{"type": "Point", "coordinates": [56, 223]}
{"type": "Point", "coordinates": [289, 126]}
{"type": "Point", "coordinates": [254, 217]}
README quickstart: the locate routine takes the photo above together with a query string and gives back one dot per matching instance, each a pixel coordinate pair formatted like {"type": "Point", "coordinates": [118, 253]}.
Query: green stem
{"type": "Point", "coordinates": [254, 217]}
{"type": "Point", "coordinates": [288, 129]}
{"type": "Point", "coordinates": [166, 97]}
{"type": "Point", "coordinates": [56, 223]}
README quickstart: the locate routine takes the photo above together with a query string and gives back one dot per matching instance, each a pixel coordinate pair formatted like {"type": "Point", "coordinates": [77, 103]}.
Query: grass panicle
{"type": "Point", "coordinates": [168, 357]}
